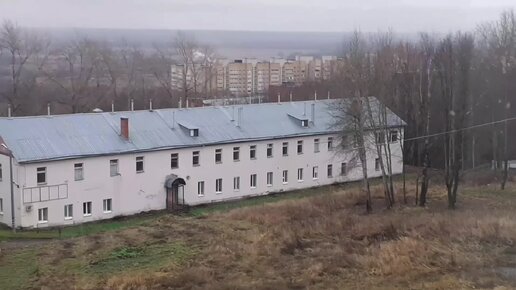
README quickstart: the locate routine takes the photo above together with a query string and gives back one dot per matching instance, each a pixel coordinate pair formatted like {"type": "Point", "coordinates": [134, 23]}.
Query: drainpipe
{"type": "Point", "coordinates": [12, 190]}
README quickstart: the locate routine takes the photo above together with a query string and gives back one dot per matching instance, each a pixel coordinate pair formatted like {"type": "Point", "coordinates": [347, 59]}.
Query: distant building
{"type": "Point", "coordinates": [72, 169]}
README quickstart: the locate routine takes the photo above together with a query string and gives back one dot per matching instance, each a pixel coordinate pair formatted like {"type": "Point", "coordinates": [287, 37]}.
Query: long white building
{"type": "Point", "coordinates": [69, 169]}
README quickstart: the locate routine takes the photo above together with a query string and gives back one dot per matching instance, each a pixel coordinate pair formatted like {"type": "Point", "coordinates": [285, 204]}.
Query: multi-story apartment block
{"type": "Point", "coordinates": [266, 74]}
{"type": "Point", "coordinates": [239, 78]}
{"type": "Point", "coordinates": [70, 169]}
{"type": "Point", "coordinates": [247, 77]}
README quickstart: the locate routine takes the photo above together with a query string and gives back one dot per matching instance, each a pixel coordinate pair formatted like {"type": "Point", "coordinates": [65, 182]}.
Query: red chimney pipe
{"type": "Point", "coordinates": [124, 127]}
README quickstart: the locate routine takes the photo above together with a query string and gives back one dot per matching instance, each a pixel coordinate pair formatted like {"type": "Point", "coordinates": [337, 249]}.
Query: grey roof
{"type": "Point", "coordinates": [56, 137]}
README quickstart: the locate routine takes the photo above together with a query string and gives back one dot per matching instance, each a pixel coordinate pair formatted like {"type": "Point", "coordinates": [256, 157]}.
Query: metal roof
{"type": "Point", "coordinates": [43, 138]}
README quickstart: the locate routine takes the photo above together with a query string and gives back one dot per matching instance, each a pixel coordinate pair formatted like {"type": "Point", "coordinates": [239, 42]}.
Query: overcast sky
{"type": "Point", "coordinates": [268, 15]}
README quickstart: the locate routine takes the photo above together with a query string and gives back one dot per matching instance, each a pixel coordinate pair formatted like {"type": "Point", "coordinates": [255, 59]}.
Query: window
{"type": "Point", "coordinates": [343, 168]}
{"type": "Point", "coordinates": [269, 178]}
{"type": "Point", "coordinates": [285, 176]}
{"type": "Point", "coordinates": [252, 152]}
{"type": "Point", "coordinates": [218, 155]}
{"type": "Point", "coordinates": [106, 205]}
{"type": "Point", "coordinates": [79, 171]}
{"type": "Point", "coordinates": [1, 173]}
{"type": "Point", "coordinates": [344, 142]}
{"type": "Point", "coordinates": [377, 164]}
{"type": "Point", "coordinates": [86, 208]}
{"type": "Point", "coordinates": [330, 143]}
{"type": "Point", "coordinates": [316, 145]}
{"type": "Point", "coordinates": [329, 172]}
{"type": "Point", "coordinates": [380, 137]}
{"type": "Point", "coordinates": [218, 185]}
{"type": "Point", "coordinates": [195, 158]}
{"type": "Point", "coordinates": [269, 150]}
{"type": "Point", "coordinates": [315, 172]}
{"type": "Point", "coordinates": [285, 149]}
{"type": "Point", "coordinates": [139, 164]}
{"type": "Point", "coordinates": [113, 167]}
{"type": "Point", "coordinates": [300, 174]}
{"type": "Point", "coordinates": [236, 183]}
{"type": "Point", "coordinates": [68, 211]}
{"type": "Point", "coordinates": [236, 153]}
{"type": "Point", "coordinates": [43, 215]}
{"type": "Point", "coordinates": [41, 175]}
{"type": "Point", "coordinates": [1, 206]}
{"type": "Point", "coordinates": [300, 147]}
{"type": "Point", "coordinates": [174, 160]}
{"type": "Point", "coordinates": [200, 188]}
{"type": "Point", "coordinates": [253, 180]}
{"type": "Point", "coordinates": [393, 134]}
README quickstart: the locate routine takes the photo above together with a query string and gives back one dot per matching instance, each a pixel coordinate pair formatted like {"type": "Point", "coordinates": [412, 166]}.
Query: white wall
{"type": "Point", "coordinates": [133, 192]}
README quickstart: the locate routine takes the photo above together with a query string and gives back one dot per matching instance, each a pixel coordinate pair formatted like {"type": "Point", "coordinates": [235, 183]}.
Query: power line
{"type": "Point", "coordinates": [461, 129]}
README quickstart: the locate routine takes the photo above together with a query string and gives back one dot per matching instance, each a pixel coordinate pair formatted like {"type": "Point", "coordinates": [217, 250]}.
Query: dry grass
{"type": "Point", "coordinates": [321, 242]}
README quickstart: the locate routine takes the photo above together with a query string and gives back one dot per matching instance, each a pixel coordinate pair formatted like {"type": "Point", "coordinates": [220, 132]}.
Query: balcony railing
{"type": "Point", "coordinates": [44, 193]}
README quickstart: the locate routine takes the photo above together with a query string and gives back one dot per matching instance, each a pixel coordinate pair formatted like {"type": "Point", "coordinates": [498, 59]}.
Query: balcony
{"type": "Point", "coordinates": [44, 193]}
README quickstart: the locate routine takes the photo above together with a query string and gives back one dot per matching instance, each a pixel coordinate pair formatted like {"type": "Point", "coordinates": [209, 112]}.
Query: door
{"type": "Point", "coordinates": [171, 198]}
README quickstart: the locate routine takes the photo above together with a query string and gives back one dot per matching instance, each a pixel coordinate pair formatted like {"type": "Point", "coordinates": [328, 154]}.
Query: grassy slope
{"type": "Point", "coordinates": [316, 237]}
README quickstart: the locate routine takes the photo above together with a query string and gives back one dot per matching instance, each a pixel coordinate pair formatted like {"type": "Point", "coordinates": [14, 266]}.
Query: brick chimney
{"type": "Point", "coordinates": [124, 127]}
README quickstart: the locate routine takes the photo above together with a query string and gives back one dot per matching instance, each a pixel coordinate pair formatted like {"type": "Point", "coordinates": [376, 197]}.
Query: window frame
{"type": "Point", "coordinates": [270, 150]}
{"type": "Point", "coordinates": [270, 178]}
{"type": "Point", "coordinates": [78, 168]}
{"type": "Point", "coordinates": [236, 183]}
{"type": "Point", "coordinates": [236, 154]}
{"type": "Point", "coordinates": [43, 210]}
{"type": "Point", "coordinates": [284, 149]}
{"type": "Point", "coordinates": [43, 172]}
{"type": "Point", "coordinates": [253, 180]}
{"type": "Point", "coordinates": [396, 134]}
{"type": "Point", "coordinates": [196, 158]}
{"type": "Point", "coordinates": [300, 175]}
{"type": "Point", "coordinates": [107, 205]}
{"type": "Point", "coordinates": [218, 156]}
{"type": "Point", "coordinates": [377, 166]}
{"type": "Point", "coordinates": [330, 144]}
{"type": "Point", "coordinates": [252, 152]}
{"type": "Point", "coordinates": [329, 171]}
{"type": "Point", "coordinates": [315, 172]}
{"type": "Point", "coordinates": [218, 185]}
{"type": "Point", "coordinates": [200, 188]}
{"type": "Point", "coordinates": [174, 160]}
{"type": "Point", "coordinates": [317, 143]}
{"type": "Point", "coordinates": [1, 172]}
{"type": "Point", "coordinates": [343, 168]}
{"type": "Point", "coordinates": [300, 147]}
{"type": "Point", "coordinates": [1, 206]}
{"type": "Point", "coordinates": [140, 160]}
{"type": "Point", "coordinates": [113, 163]}
{"type": "Point", "coordinates": [87, 208]}
{"type": "Point", "coordinates": [284, 177]}
{"type": "Point", "coordinates": [68, 211]}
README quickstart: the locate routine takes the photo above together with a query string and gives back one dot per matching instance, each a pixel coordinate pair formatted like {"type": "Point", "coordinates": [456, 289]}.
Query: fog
{"type": "Point", "coordinates": [258, 15]}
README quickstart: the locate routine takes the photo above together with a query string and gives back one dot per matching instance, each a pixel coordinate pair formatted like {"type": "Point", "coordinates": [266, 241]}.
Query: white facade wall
{"type": "Point", "coordinates": [133, 192]}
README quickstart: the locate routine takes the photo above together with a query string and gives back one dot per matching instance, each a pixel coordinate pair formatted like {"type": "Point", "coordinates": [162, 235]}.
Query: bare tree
{"type": "Point", "coordinates": [425, 94]}
{"type": "Point", "coordinates": [78, 78]}
{"type": "Point", "coordinates": [25, 51]}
